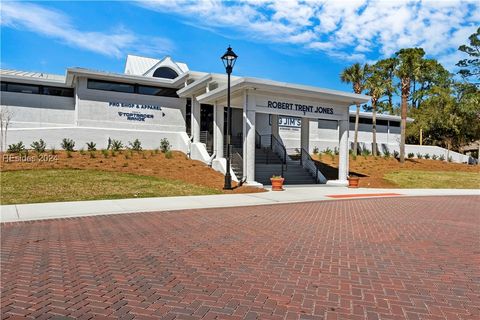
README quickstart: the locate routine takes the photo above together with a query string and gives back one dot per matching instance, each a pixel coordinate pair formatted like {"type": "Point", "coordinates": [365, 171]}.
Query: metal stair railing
{"type": "Point", "coordinates": [307, 162]}
{"type": "Point", "coordinates": [277, 147]}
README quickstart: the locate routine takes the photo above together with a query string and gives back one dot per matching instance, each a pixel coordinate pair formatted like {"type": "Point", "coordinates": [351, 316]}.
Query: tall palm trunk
{"type": "Point", "coordinates": [403, 124]}
{"type": "Point", "coordinates": [355, 135]}
{"type": "Point", "coordinates": [374, 127]}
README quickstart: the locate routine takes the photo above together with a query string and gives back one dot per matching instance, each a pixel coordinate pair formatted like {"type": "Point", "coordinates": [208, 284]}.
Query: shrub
{"type": "Point", "coordinates": [366, 152]}
{"type": "Point", "coordinates": [91, 146]}
{"type": "Point", "coordinates": [92, 155]}
{"type": "Point", "coordinates": [335, 151]}
{"type": "Point", "coordinates": [39, 146]}
{"type": "Point", "coordinates": [67, 144]}
{"type": "Point", "coordinates": [165, 145]}
{"type": "Point", "coordinates": [52, 151]}
{"type": "Point", "coordinates": [419, 155]}
{"type": "Point", "coordinates": [105, 153]}
{"type": "Point", "coordinates": [156, 150]}
{"type": "Point", "coordinates": [315, 150]}
{"type": "Point", "coordinates": [387, 154]}
{"type": "Point", "coordinates": [328, 151]}
{"type": "Point", "coordinates": [69, 154]}
{"type": "Point", "coordinates": [410, 155]}
{"type": "Point", "coordinates": [427, 156]}
{"type": "Point", "coordinates": [16, 147]}
{"type": "Point", "coordinates": [450, 159]}
{"type": "Point", "coordinates": [169, 154]}
{"type": "Point", "coordinates": [396, 154]}
{"type": "Point", "coordinates": [109, 143]}
{"type": "Point", "coordinates": [116, 145]}
{"type": "Point", "coordinates": [82, 151]}
{"type": "Point", "coordinates": [441, 158]}
{"type": "Point", "coordinates": [434, 157]}
{"type": "Point", "coordinates": [135, 145]}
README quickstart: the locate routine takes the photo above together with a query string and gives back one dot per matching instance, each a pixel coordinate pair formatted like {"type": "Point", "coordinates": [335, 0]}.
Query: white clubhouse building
{"type": "Point", "coordinates": [155, 99]}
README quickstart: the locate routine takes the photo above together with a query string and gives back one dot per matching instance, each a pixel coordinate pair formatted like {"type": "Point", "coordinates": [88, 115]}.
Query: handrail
{"type": "Point", "coordinates": [258, 139]}
{"type": "Point", "coordinates": [276, 144]}
{"type": "Point", "coordinates": [307, 162]}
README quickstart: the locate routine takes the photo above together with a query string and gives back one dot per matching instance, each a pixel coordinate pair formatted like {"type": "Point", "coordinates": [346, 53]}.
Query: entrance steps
{"type": "Point", "coordinates": [268, 163]}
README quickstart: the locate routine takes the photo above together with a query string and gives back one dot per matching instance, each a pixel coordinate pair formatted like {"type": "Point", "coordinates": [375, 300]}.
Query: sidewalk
{"type": "Point", "coordinates": [292, 194]}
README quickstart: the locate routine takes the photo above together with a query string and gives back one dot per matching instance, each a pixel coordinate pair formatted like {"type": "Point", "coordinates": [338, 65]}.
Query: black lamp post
{"type": "Point", "coordinates": [228, 60]}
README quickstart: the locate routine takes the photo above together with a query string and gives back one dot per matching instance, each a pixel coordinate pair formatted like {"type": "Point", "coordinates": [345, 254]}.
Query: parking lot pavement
{"type": "Point", "coordinates": [382, 258]}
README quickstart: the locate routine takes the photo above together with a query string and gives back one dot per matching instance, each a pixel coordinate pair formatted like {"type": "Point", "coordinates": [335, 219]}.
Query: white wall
{"type": "Point", "coordinates": [35, 110]}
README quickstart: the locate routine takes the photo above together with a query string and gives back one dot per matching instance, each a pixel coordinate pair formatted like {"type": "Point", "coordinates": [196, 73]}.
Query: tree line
{"type": "Point", "coordinates": [445, 106]}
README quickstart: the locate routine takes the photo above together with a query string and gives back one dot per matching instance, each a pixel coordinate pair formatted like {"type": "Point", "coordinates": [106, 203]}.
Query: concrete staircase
{"type": "Point", "coordinates": [268, 163]}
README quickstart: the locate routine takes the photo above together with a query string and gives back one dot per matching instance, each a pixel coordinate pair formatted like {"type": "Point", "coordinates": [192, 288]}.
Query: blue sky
{"type": "Point", "coordinates": [293, 41]}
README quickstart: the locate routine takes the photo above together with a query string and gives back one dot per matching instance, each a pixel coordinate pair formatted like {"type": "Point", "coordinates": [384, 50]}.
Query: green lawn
{"type": "Point", "coordinates": [31, 186]}
{"type": "Point", "coordinates": [434, 179]}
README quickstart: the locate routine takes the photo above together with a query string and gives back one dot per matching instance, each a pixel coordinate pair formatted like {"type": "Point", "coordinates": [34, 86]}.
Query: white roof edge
{"type": "Point", "coordinates": [125, 77]}
{"type": "Point", "coordinates": [242, 83]}
{"type": "Point", "coordinates": [189, 89]}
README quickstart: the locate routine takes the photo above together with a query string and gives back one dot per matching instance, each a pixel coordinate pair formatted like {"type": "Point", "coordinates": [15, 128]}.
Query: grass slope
{"type": "Point", "coordinates": [48, 185]}
{"type": "Point", "coordinates": [434, 179]}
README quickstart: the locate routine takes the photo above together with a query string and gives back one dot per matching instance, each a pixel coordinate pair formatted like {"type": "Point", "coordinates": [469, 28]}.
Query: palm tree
{"type": "Point", "coordinates": [377, 85]}
{"type": "Point", "coordinates": [355, 75]}
{"type": "Point", "coordinates": [407, 69]}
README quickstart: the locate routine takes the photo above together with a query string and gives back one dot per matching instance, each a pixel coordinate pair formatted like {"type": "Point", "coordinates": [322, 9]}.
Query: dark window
{"type": "Point", "coordinates": [23, 88]}
{"type": "Point", "coordinates": [110, 86]}
{"type": "Point", "coordinates": [382, 122]}
{"type": "Point", "coordinates": [394, 124]}
{"type": "Point", "coordinates": [165, 72]}
{"type": "Point", "coordinates": [188, 116]}
{"type": "Point", "coordinates": [365, 120]}
{"type": "Point", "coordinates": [37, 89]}
{"type": "Point", "coordinates": [352, 119]}
{"type": "Point", "coordinates": [55, 91]}
{"type": "Point", "coordinates": [155, 91]}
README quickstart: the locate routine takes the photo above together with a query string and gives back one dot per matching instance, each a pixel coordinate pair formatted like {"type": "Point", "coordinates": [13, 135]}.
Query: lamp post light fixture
{"type": "Point", "coordinates": [228, 60]}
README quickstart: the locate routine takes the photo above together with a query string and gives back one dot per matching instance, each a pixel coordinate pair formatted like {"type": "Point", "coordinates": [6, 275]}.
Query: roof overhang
{"type": "Point", "coordinates": [284, 88]}
{"type": "Point", "coordinates": [33, 80]}
{"type": "Point", "coordinates": [80, 72]}
{"type": "Point", "coordinates": [380, 116]}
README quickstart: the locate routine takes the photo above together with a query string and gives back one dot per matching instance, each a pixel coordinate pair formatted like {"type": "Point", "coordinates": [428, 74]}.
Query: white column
{"type": "Point", "coordinates": [275, 131]}
{"type": "Point", "coordinates": [195, 120]}
{"type": "Point", "coordinates": [249, 139]}
{"type": "Point", "coordinates": [305, 134]}
{"type": "Point", "coordinates": [343, 127]}
{"type": "Point", "coordinates": [218, 114]}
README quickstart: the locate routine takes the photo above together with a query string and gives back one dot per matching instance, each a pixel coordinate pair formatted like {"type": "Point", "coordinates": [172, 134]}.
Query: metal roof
{"type": "Point", "coordinates": [12, 74]}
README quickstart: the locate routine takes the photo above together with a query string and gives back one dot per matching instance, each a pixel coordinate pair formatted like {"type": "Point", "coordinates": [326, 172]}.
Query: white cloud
{"type": "Point", "coordinates": [57, 25]}
{"type": "Point", "coordinates": [349, 29]}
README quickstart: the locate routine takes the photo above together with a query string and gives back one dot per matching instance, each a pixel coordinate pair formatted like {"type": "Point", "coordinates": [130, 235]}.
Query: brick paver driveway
{"type": "Point", "coordinates": [390, 258]}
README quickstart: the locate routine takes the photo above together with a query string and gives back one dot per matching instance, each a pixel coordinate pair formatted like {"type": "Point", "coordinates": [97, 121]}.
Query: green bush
{"type": "Point", "coordinates": [366, 152]}
{"type": "Point", "coordinates": [441, 158]}
{"type": "Point", "coordinates": [328, 151]}
{"type": "Point", "coordinates": [135, 145]}
{"type": "Point", "coordinates": [39, 146]}
{"type": "Point", "coordinates": [427, 156]}
{"type": "Point", "coordinates": [91, 146]}
{"type": "Point", "coordinates": [165, 145]}
{"type": "Point", "coordinates": [92, 155]}
{"type": "Point", "coordinates": [434, 157]}
{"type": "Point", "coordinates": [315, 150]}
{"type": "Point", "coordinates": [16, 147]}
{"type": "Point", "coordinates": [116, 145]}
{"type": "Point", "coordinates": [386, 153]}
{"type": "Point", "coordinates": [450, 159]}
{"type": "Point", "coordinates": [411, 155]}
{"type": "Point", "coordinates": [82, 151]}
{"type": "Point", "coordinates": [419, 155]}
{"type": "Point", "coordinates": [335, 151]}
{"type": "Point", "coordinates": [105, 153]}
{"type": "Point", "coordinates": [169, 154]}
{"type": "Point", "coordinates": [67, 144]}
